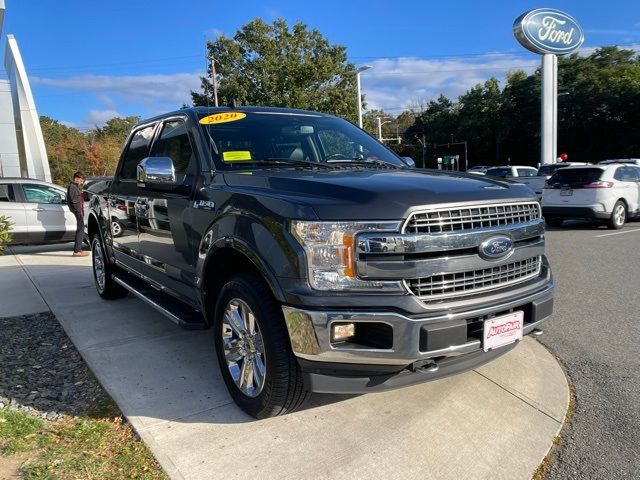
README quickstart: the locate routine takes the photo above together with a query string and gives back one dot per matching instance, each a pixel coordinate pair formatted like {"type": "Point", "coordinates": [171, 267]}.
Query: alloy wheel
{"type": "Point", "coordinates": [98, 265]}
{"type": "Point", "coordinates": [244, 347]}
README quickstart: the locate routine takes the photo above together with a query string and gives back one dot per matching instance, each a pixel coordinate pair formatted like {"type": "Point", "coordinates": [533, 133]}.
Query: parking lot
{"type": "Point", "coordinates": [595, 333]}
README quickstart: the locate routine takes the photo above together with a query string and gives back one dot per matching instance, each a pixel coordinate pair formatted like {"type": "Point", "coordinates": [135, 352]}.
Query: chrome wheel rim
{"type": "Point", "coordinates": [116, 229]}
{"type": "Point", "coordinates": [619, 214]}
{"type": "Point", "coordinates": [243, 348]}
{"type": "Point", "coordinates": [98, 265]}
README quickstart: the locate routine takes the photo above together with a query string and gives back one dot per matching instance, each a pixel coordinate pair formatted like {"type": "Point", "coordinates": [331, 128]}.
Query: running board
{"type": "Point", "coordinates": [175, 310]}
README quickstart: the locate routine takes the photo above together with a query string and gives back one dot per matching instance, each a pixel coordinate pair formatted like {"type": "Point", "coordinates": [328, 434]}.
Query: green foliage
{"type": "Point", "coordinates": [94, 153]}
{"type": "Point", "coordinates": [5, 232]}
{"type": "Point", "coordinates": [598, 113]}
{"type": "Point", "coordinates": [274, 65]}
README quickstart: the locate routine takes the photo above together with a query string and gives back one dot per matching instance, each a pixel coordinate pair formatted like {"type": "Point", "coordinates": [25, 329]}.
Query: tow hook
{"type": "Point", "coordinates": [425, 366]}
{"type": "Point", "coordinates": [536, 332]}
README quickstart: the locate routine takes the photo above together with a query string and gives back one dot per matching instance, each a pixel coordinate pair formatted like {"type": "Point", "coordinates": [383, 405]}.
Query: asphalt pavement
{"type": "Point", "coordinates": [595, 333]}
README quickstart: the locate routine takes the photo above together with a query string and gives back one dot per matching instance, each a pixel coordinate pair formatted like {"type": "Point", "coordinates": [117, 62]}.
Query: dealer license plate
{"type": "Point", "coordinates": [566, 192]}
{"type": "Point", "coordinates": [502, 330]}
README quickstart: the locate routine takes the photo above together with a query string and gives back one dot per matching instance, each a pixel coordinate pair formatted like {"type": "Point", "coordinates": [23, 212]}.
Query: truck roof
{"type": "Point", "coordinates": [203, 111]}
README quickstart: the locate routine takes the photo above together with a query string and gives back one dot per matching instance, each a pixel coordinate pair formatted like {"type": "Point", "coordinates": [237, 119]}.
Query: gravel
{"type": "Point", "coordinates": [41, 372]}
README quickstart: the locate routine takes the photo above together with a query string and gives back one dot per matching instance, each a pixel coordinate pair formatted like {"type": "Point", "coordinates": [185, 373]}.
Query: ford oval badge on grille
{"type": "Point", "coordinates": [496, 247]}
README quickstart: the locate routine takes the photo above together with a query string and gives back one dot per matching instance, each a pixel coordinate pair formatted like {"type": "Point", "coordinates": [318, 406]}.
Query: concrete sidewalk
{"type": "Point", "coordinates": [496, 422]}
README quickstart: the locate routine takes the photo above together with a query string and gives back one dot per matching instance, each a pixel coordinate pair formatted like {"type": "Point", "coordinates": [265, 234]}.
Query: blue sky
{"type": "Point", "coordinates": [89, 61]}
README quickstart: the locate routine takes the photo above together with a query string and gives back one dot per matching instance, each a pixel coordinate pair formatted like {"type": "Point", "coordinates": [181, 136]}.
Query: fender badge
{"type": "Point", "coordinates": [206, 204]}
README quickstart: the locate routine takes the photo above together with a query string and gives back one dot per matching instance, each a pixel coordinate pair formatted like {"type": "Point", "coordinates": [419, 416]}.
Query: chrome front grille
{"type": "Point", "coordinates": [475, 281]}
{"type": "Point", "coordinates": [471, 217]}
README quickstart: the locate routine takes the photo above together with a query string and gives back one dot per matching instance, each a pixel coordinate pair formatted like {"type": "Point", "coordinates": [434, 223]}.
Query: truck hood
{"type": "Point", "coordinates": [373, 194]}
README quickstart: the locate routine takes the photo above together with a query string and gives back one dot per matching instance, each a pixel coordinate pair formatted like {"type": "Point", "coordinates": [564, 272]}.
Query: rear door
{"type": "Point", "coordinates": [14, 211]}
{"type": "Point", "coordinates": [122, 201]}
{"type": "Point", "coordinates": [164, 215]}
{"type": "Point", "coordinates": [48, 217]}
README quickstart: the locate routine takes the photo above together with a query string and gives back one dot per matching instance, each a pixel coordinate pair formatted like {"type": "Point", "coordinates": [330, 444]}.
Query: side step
{"type": "Point", "coordinates": [177, 311]}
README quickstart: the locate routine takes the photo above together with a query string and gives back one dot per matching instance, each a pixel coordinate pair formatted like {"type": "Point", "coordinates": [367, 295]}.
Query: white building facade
{"type": "Point", "coordinates": [22, 149]}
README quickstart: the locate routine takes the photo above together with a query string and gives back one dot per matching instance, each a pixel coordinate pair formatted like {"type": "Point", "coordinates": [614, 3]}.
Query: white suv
{"type": "Point", "coordinates": [605, 192]}
{"type": "Point", "coordinates": [37, 211]}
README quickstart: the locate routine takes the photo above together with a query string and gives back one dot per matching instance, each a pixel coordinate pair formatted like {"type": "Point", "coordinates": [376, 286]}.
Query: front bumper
{"type": "Point", "coordinates": [422, 349]}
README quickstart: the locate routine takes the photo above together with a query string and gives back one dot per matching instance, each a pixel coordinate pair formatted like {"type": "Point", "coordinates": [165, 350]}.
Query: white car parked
{"type": "Point", "coordinates": [37, 210]}
{"type": "Point", "coordinates": [602, 192]}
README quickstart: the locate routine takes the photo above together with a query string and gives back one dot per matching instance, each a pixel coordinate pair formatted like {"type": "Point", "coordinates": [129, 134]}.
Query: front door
{"type": "Point", "coordinates": [164, 216]}
{"type": "Point", "coordinates": [122, 202]}
{"type": "Point", "coordinates": [48, 217]}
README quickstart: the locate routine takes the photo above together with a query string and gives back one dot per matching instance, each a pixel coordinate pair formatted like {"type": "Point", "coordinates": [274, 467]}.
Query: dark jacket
{"type": "Point", "coordinates": [74, 199]}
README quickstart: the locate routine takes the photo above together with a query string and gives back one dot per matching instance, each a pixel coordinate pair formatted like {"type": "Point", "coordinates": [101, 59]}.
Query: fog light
{"type": "Point", "coordinates": [341, 332]}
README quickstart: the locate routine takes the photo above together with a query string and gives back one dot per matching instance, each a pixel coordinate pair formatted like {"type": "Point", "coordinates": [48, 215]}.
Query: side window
{"type": "Point", "coordinates": [174, 143]}
{"type": "Point", "coordinates": [43, 194]}
{"type": "Point", "coordinates": [6, 193]}
{"type": "Point", "coordinates": [625, 174]}
{"type": "Point", "coordinates": [137, 150]}
{"type": "Point", "coordinates": [525, 172]}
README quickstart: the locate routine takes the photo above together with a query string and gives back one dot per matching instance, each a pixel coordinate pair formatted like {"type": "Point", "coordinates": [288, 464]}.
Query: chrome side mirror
{"type": "Point", "coordinates": [156, 171]}
{"type": "Point", "coordinates": [409, 161]}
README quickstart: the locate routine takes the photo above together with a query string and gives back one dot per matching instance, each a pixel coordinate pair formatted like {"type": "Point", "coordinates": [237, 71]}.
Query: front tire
{"type": "Point", "coordinates": [105, 285]}
{"type": "Point", "coordinates": [618, 216]}
{"type": "Point", "coordinates": [254, 351]}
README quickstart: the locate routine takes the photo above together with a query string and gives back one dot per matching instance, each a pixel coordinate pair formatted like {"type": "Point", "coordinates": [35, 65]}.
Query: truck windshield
{"type": "Point", "coordinates": [270, 139]}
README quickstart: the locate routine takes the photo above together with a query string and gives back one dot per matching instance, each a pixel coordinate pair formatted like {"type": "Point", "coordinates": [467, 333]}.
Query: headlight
{"type": "Point", "coordinates": [331, 254]}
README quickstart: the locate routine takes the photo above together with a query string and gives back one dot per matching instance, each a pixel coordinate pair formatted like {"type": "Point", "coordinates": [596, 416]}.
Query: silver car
{"type": "Point", "coordinates": [38, 211]}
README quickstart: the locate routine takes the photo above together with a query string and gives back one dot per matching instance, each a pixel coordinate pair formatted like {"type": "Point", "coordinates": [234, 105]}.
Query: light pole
{"type": "Point", "coordinates": [380, 123]}
{"type": "Point", "coordinates": [359, 70]}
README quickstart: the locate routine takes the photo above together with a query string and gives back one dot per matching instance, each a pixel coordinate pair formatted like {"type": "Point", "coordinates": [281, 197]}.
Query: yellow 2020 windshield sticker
{"type": "Point", "coordinates": [222, 117]}
{"type": "Point", "coordinates": [236, 156]}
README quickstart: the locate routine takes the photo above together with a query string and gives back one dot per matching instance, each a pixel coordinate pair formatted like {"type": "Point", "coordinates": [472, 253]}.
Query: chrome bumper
{"type": "Point", "coordinates": [310, 331]}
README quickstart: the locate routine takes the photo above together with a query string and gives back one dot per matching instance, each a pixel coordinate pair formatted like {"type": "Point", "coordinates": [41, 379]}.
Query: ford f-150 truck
{"type": "Point", "coordinates": [323, 261]}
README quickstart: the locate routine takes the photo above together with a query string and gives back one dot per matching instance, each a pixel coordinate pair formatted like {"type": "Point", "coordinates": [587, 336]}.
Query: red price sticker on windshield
{"type": "Point", "coordinates": [223, 117]}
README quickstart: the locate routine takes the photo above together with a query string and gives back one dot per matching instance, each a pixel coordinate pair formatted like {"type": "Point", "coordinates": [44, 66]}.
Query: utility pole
{"type": "Point", "coordinates": [214, 80]}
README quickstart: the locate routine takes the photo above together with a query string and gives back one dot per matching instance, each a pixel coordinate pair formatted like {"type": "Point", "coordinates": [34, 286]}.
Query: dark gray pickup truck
{"type": "Point", "coordinates": [323, 261]}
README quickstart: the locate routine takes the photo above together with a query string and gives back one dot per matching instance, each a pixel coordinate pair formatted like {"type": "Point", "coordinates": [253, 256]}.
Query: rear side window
{"type": "Point", "coordinates": [574, 176]}
{"type": "Point", "coordinates": [137, 150]}
{"type": "Point", "coordinates": [626, 174]}
{"type": "Point", "coordinates": [6, 193]}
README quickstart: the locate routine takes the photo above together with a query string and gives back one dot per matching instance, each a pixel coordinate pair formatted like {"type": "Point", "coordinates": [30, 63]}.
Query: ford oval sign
{"type": "Point", "coordinates": [546, 30]}
{"type": "Point", "coordinates": [498, 246]}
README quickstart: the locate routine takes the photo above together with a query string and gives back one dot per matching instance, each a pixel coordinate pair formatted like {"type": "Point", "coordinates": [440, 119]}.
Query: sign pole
{"type": "Point", "coordinates": [548, 32]}
{"type": "Point", "coordinates": [549, 117]}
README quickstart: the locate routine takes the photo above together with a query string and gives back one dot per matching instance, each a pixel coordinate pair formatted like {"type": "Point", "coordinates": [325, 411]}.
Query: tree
{"type": "Point", "coordinates": [272, 65]}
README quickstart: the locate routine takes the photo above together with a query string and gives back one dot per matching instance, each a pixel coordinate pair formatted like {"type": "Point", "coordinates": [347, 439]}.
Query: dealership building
{"type": "Point", "coordinates": [22, 150]}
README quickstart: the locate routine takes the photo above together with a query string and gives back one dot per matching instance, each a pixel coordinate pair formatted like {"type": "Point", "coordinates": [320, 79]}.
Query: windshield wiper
{"type": "Point", "coordinates": [286, 161]}
{"type": "Point", "coordinates": [363, 161]}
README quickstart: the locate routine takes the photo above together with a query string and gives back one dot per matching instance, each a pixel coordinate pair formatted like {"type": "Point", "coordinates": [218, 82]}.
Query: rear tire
{"type": "Point", "coordinates": [105, 285]}
{"type": "Point", "coordinates": [554, 221]}
{"type": "Point", "coordinates": [254, 351]}
{"type": "Point", "coordinates": [618, 216]}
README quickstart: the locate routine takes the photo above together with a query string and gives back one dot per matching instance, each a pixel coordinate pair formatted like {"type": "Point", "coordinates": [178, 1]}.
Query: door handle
{"type": "Point", "coordinates": [38, 209]}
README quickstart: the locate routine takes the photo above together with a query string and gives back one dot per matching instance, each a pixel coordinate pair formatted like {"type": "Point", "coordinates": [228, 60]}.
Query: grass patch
{"type": "Point", "coordinates": [18, 432]}
{"type": "Point", "coordinates": [87, 447]}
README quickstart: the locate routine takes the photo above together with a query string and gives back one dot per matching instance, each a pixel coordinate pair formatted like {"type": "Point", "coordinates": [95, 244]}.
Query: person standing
{"type": "Point", "coordinates": [76, 205]}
